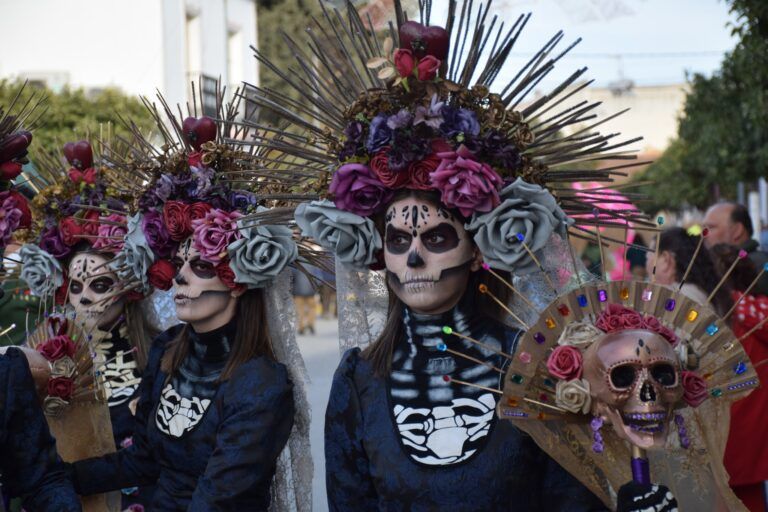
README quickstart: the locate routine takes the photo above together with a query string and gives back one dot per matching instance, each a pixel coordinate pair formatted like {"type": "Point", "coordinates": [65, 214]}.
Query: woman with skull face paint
{"type": "Point", "coordinates": [216, 408]}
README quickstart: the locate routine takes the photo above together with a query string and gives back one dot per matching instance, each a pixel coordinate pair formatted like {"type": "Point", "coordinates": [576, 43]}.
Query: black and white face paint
{"type": "Point", "coordinates": [90, 281]}
{"type": "Point", "coordinates": [428, 255]}
{"type": "Point", "coordinates": [201, 298]}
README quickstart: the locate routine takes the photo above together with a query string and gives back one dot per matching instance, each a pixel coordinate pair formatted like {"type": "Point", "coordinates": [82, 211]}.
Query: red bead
{"type": "Point", "coordinates": [563, 310]}
{"type": "Point", "coordinates": [446, 378]}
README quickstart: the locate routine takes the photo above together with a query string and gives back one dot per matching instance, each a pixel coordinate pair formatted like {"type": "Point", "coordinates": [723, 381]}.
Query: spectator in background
{"type": "Point", "coordinates": [746, 453]}
{"type": "Point", "coordinates": [729, 223]}
{"type": "Point", "coordinates": [304, 297]}
{"type": "Point", "coordinates": [676, 249]}
{"type": "Point", "coordinates": [636, 257]}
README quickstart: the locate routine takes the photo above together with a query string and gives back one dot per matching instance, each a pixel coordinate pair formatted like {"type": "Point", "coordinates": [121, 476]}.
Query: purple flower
{"type": "Point", "coordinates": [10, 218]}
{"type": "Point", "coordinates": [466, 184]}
{"type": "Point", "coordinates": [51, 242]}
{"type": "Point", "coordinates": [241, 199]}
{"type": "Point", "coordinates": [158, 237]}
{"type": "Point", "coordinates": [459, 121]}
{"type": "Point", "coordinates": [107, 233]}
{"type": "Point", "coordinates": [400, 120]}
{"type": "Point", "coordinates": [357, 190]}
{"type": "Point", "coordinates": [406, 149]}
{"type": "Point", "coordinates": [379, 134]}
{"type": "Point", "coordinates": [213, 233]}
{"type": "Point", "coordinates": [164, 187]}
{"type": "Point", "coordinates": [494, 146]}
{"type": "Point", "coordinates": [352, 146]}
{"type": "Point", "coordinates": [203, 178]}
{"type": "Point", "coordinates": [431, 116]}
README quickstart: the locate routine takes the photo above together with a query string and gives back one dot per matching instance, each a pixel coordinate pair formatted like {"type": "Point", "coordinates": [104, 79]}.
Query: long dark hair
{"type": "Point", "coordinates": [723, 256]}
{"type": "Point", "coordinates": [251, 339]}
{"type": "Point", "coordinates": [379, 353]}
{"type": "Point", "coordinates": [703, 274]}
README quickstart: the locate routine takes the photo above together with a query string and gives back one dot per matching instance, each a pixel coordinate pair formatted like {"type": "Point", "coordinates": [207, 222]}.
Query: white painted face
{"type": "Point", "coordinates": [201, 298]}
{"type": "Point", "coordinates": [428, 255]}
{"type": "Point", "coordinates": [90, 282]}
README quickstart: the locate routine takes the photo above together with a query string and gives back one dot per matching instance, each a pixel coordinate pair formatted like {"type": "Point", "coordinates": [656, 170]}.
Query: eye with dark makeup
{"type": "Point", "coordinates": [441, 238]}
{"type": "Point", "coordinates": [202, 269]}
{"type": "Point", "coordinates": [75, 287]}
{"type": "Point", "coordinates": [398, 241]}
{"type": "Point", "coordinates": [101, 285]}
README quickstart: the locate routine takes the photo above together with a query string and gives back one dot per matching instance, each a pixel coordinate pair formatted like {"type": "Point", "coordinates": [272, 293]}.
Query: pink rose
{"type": "Point", "coordinates": [632, 320]}
{"type": "Point", "coordinates": [565, 363]}
{"type": "Point", "coordinates": [618, 318]}
{"type": "Point", "coordinates": [465, 183]}
{"type": "Point", "coordinates": [652, 323]}
{"type": "Point", "coordinates": [694, 388]}
{"type": "Point", "coordinates": [357, 190]}
{"type": "Point", "coordinates": [404, 62]}
{"type": "Point", "coordinates": [108, 229]}
{"type": "Point", "coordinates": [213, 233]}
{"type": "Point", "coordinates": [427, 68]}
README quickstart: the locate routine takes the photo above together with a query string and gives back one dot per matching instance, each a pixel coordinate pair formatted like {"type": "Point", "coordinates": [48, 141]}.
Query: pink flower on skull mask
{"type": "Point", "coordinates": [465, 183]}
{"type": "Point", "coordinates": [109, 231]}
{"type": "Point", "coordinates": [618, 318]}
{"type": "Point", "coordinates": [358, 190]}
{"type": "Point", "coordinates": [213, 233]}
{"type": "Point", "coordinates": [694, 388]}
{"type": "Point", "coordinates": [652, 324]}
{"type": "Point", "coordinates": [565, 362]}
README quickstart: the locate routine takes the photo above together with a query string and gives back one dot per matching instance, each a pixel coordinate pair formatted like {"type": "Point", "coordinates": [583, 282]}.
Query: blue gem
{"type": "Point", "coordinates": [442, 347]}
{"type": "Point", "coordinates": [660, 220]}
{"type": "Point", "coordinates": [583, 302]}
{"type": "Point", "coordinates": [549, 383]}
{"type": "Point", "coordinates": [765, 267]}
{"type": "Point", "coordinates": [740, 368]}
{"type": "Point", "coordinates": [712, 329]}
{"type": "Point", "coordinates": [520, 237]}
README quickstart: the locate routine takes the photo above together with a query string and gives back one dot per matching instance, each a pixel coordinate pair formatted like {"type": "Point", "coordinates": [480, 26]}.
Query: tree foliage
{"type": "Point", "coordinates": [73, 114]}
{"type": "Point", "coordinates": [723, 132]}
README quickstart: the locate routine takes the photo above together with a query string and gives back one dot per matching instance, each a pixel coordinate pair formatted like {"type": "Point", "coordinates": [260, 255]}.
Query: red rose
{"type": "Point", "coordinates": [419, 173]}
{"type": "Point", "coordinates": [694, 388]}
{"type": "Point", "coordinates": [61, 387]}
{"type": "Point", "coordinates": [227, 276]}
{"type": "Point", "coordinates": [134, 296]}
{"type": "Point", "coordinates": [195, 159]}
{"type": "Point", "coordinates": [23, 206]}
{"type": "Point", "coordinates": [57, 347]}
{"type": "Point", "coordinates": [427, 68]}
{"type": "Point", "coordinates": [198, 211]}
{"type": "Point", "coordinates": [89, 175]}
{"type": "Point", "coordinates": [632, 320]}
{"type": "Point", "coordinates": [617, 318]}
{"type": "Point", "coordinates": [70, 231]}
{"type": "Point", "coordinates": [565, 362]}
{"type": "Point", "coordinates": [177, 220]}
{"type": "Point", "coordinates": [379, 164]}
{"type": "Point", "coordinates": [652, 323]}
{"type": "Point", "coordinates": [161, 274]}
{"type": "Point", "coordinates": [404, 62]}
{"type": "Point", "coordinates": [10, 170]}
{"type": "Point", "coordinates": [91, 226]}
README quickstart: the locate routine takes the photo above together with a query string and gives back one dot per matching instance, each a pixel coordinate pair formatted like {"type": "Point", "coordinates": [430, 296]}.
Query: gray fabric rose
{"type": "Point", "coordinates": [133, 261]}
{"type": "Point", "coordinates": [352, 238]}
{"type": "Point", "coordinates": [525, 209]}
{"type": "Point", "coordinates": [573, 395]}
{"type": "Point", "coordinates": [64, 367]}
{"type": "Point", "coordinates": [40, 270]}
{"type": "Point", "coordinates": [261, 254]}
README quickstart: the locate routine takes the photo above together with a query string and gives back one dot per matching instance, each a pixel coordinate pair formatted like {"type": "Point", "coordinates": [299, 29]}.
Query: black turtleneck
{"type": "Point", "coordinates": [208, 353]}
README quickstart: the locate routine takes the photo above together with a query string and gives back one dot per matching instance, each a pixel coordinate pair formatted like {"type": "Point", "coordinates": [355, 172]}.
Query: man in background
{"type": "Point", "coordinates": [729, 223]}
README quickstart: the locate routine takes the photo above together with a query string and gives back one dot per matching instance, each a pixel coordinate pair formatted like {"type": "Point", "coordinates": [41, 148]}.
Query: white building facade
{"type": "Point", "coordinates": [139, 46]}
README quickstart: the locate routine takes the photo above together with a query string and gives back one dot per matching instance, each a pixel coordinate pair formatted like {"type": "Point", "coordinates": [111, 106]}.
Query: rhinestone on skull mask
{"type": "Point", "coordinates": [635, 379]}
{"type": "Point", "coordinates": [199, 293]}
{"type": "Point", "coordinates": [90, 284]}
{"type": "Point", "coordinates": [428, 255]}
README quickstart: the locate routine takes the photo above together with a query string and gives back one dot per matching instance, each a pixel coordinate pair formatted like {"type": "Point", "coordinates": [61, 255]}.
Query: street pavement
{"type": "Point", "coordinates": [321, 355]}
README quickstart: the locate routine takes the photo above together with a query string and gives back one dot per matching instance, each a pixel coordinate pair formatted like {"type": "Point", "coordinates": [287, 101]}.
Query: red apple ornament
{"type": "Point", "coordinates": [79, 154]}
{"type": "Point", "coordinates": [15, 146]}
{"type": "Point", "coordinates": [199, 131]}
{"type": "Point", "coordinates": [423, 40]}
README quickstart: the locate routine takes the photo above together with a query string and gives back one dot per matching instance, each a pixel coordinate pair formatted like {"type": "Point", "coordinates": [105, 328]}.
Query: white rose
{"type": "Point", "coordinates": [573, 395]}
{"type": "Point", "coordinates": [579, 334]}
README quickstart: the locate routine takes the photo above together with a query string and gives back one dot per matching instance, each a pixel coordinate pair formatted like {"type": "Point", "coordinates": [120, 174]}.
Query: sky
{"type": "Point", "coordinates": [651, 42]}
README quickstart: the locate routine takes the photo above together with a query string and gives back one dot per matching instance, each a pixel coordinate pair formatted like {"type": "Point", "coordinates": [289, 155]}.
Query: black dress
{"type": "Point", "coordinates": [411, 441]}
{"type": "Point", "coordinates": [208, 445]}
{"type": "Point", "coordinates": [29, 465]}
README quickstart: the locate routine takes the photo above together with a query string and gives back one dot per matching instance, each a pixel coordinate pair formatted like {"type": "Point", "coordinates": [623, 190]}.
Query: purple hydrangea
{"type": "Point", "coordinates": [379, 134]}
{"type": "Point", "coordinates": [241, 199]}
{"type": "Point", "coordinates": [431, 116]}
{"type": "Point", "coordinates": [458, 121]}
{"type": "Point", "coordinates": [354, 134]}
{"type": "Point", "coordinates": [405, 150]}
{"type": "Point", "coordinates": [497, 148]}
{"type": "Point", "coordinates": [400, 120]}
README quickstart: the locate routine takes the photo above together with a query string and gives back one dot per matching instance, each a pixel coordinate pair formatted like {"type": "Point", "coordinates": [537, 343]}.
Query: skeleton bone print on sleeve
{"type": "Point", "coordinates": [118, 367]}
{"type": "Point", "coordinates": [177, 415]}
{"type": "Point", "coordinates": [440, 423]}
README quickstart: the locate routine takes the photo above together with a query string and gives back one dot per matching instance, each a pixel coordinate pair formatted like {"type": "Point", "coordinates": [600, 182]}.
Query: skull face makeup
{"type": "Point", "coordinates": [201, 298]}
{"type": "Point", "coordinates": [428, 255]}
{"type": "Point", "coordinates": [90, 281]}
{"type": "Point", "coordinates": [635, 377]}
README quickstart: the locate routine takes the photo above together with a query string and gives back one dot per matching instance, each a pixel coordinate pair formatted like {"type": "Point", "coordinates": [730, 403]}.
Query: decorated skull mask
{"type": "Point", "coordinates": [428, 255]}
{"type": "Point", "coordinates": [201, 297]}
{"type": "Point", "coordinates": [91, 283]}
{"type": "Point", "coordinates": [635, 378]}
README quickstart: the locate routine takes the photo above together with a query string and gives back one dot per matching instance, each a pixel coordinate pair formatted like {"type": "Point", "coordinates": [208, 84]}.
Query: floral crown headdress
{"type": "Point", "coordinates": [547, 393]}
{"type": "Point", "coordinates": [426, 109]}
{"type": "Point", "coordinates": [16, 121]}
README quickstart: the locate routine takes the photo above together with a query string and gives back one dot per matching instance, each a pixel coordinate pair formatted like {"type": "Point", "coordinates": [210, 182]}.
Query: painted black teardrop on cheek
{"type": "Point", "coordinates": [415, 260]}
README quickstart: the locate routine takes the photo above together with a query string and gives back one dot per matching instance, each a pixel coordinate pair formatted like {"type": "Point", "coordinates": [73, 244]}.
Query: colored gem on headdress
{"type": "Point", "coordinates": [705, 232]}
{"type": "Point", "coordinates": [549, 382]}
{"type": "Point", "coordinates": [447, 330]}
{"type": "Point", "coordinates": [446, 378]}
{"type": "Point", "coordinates": [660, 220]}
{"type": "Point", "coordinates": [682, 433]}
{"type": "Point", "coordinates": [602, 295]}
{"type": "Point", "coordinates": [442, 347]}
{"type": "Point", "coordinates": [692, 315]}
{"type": "Point", "coordinates": [712, 329]}
{"type": "Point", "coordinates": [742, 254]}
{"type": "Point", "coordinates": [740, 368]}
{"type": "Point", "coordinates": [543, 397]}
{"type": "Point", "coordinates": [582, 300]}
{"type": "Point", "coordinates": [517, 379]}
{"type": "Point", "coordinates": [647, 295]}
{"type": "Point", "coordinates": [563, 310]}
{"type": "Point", "coordinates": [765, 267]}
{"type": "Point", "coordinates": [596, 424]}
{"type": "Point", "coordinates": [512, 402]}
{"type": "Point", "coordinates": [670, 305]}
{"type": "Point", "coordinates": [717, 392]}
{"type": "Point", "coordinates": [520, 237]}
{"type": "Point", "coordinates": [539, 338]}
{"type": "Point", "coordinates": [525, 357]}
{"type": "Point", "coordinates": [624, 293]}
{"type": "Point", "coordinates": [550, 323]}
